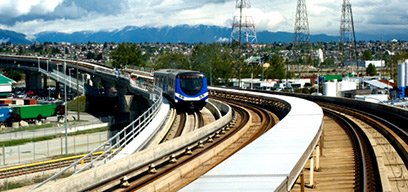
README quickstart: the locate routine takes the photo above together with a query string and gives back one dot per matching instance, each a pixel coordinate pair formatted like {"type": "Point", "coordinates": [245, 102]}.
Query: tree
{"type": "Point", "coordinates": [367, 55]}
{"type": "Point", "coordinates": [215, 60]}
{"type": "Point", "coordinates": [371, 70]}
{"type": "Point", "coordinates": [170, 60]}
{"type": "Point", "coordinates": [329, 62]}
{"type": "Point", "coordinates": [277, 69]}
{"type": "Point", "coordinates": [127, 54]}
{"type": "Point", "coordinates": [90, 55]}
{"type": "Point", "coordinates": [15, 75]}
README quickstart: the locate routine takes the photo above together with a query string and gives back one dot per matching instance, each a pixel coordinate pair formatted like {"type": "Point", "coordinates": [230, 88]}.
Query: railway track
{"type": "Point", "coordinates": [251, 122]}
{"type": "Point", "coordinates": [65, 162]}
{"type": "Point", "coordinates": [380, 166]}
{"type": "Point", "coordinates": [43, 166]}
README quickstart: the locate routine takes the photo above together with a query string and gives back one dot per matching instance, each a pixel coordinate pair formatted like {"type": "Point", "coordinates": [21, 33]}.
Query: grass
{"type": "Point", "coordinates": [33, 127]}
{"type": "Point", "coordinates": [45, 138]}
{"type": "Point", "coordinates": [73, 105]}
{"type": "Point", "coordinates": [11, 185]}
{"type": "Point", "coordinates": [14, 185]}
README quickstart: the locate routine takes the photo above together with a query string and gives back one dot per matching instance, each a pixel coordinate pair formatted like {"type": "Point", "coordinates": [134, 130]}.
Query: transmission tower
{"type": "Point", "coordinates": [243, 26]}
{"type": "Point", "coordinates": [347, 35]}
{"type": "Point", "coordinates": [302, 36]}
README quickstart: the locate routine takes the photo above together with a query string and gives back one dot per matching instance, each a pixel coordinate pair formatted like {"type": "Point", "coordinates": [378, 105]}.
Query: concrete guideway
{"type": "Point", "coordinates": [143, 138]}
{"type": "Point", "coordinates": [274, 161]}
{"type": "Point", "coordinates": [37, 65]}
{"type": "Point", "coordinates": [114, 168]}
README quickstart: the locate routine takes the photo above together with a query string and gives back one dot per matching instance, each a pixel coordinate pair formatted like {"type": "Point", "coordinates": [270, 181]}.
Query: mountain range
{"type": "Point", "coordinates": [182, 33]}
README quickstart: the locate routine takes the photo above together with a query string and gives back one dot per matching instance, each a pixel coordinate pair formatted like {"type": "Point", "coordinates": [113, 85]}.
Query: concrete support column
{"type": "Point", "coordinates": [302, 182]}
{"type": "Point", "coordinates": [95, 80]}
{"type": "Point", "coordinates": [33, 81]}
{"type": "Point", "coordinates": [122, 99]}
{"type": "Point", "coordinates": [311, 176]}
{"type": "Point", "coordinates": [317, 158]}
{"type": "Point", "coordinates": [107, 86]}
{"type": "Point", "coordinates": [45, 80]}
{"type": "Point", "coordinates": [57, 88]}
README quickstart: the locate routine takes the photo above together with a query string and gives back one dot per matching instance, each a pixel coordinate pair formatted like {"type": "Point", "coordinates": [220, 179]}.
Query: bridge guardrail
{"type": "Point", "coordinates": [71, 82]}
{"type": "Point", "coordinates": [116, 142]}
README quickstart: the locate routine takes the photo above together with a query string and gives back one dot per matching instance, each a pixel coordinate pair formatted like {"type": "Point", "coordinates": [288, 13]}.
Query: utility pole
{"type": "Point", "coordinates": [347, 34]}
{"type": "Point", "coordinates": [302, 34]}
{"type": "Point", "coordinates": [65, 100]}
{"type": "Point", "coordinates": [77, 84]}
{"type": "Point", "coordinates": [242, 26]}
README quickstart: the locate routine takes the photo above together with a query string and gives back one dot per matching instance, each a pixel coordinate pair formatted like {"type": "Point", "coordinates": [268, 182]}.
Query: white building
{"type": "Point", "coordinates": [372, 98]}
{"type": "Point", "coordinates": [380, 63]}
{"type": "Point", "coordinates": [320, 55]}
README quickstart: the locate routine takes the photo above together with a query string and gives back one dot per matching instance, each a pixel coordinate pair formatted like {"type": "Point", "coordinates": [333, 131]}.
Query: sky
{"type": "Point", "coordinates": [34, 16]}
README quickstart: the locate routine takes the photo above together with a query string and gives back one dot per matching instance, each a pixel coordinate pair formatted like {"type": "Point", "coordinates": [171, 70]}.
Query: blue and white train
{"type": "Point", "coordinates": [187, 89]}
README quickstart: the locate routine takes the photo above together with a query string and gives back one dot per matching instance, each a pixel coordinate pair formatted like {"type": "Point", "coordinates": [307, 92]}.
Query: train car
{"type": "Point", "coordinates": [187, 89]}
{"type": "Point", "coordinates": [34, 111]}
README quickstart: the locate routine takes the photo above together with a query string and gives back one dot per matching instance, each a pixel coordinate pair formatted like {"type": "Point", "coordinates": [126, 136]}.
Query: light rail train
{"type": "Point", "coordinates": [187, 89]}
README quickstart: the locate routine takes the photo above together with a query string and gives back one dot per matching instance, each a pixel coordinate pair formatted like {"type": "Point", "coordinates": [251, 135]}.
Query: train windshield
{"type": "Point", "coordinates": [190, 83]}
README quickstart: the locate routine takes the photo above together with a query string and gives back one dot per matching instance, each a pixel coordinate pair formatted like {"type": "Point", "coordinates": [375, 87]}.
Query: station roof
{"type": "Point", "coordinates": [378, 84]}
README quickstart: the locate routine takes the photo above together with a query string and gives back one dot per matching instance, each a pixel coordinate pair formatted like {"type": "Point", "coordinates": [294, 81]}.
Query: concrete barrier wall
{"type": "Point", "coordinates": [214, 110]}
{"type": "Point", "coordinates": [89, 178]}
{"type": "Point", "coordinates": [357, 104]}
{"type": "Point", "coordinates": [210, 156]}
{"type": "Point", "coordinates": [224, 109]}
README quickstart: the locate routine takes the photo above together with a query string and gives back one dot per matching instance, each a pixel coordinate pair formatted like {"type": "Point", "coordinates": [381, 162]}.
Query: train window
{"type": "Point", "coordinates": [191, 84]}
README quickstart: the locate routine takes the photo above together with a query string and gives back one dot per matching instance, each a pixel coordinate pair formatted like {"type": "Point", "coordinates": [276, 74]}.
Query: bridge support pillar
{"type": "Point", "coordinates": [122, 104]}
{"type": "Point", "coordinates": [45, 80]}
{"type": "Point", "coordinates": [95, 80]}
{"type": "Point", "coordinates": [311, 175]}
{"type": "Point", "coordinates": [137, 105]}
{"type": "Point", "coordinates": [57, 88]}
{"type": "Point", "coordinates": [107, 86]}
{"type": "Point", "coordinates": [317, 158]}
{"type": "Point", "coordinates": [302, 181]}
{"type": "Point", "coordinates": [33, 81]}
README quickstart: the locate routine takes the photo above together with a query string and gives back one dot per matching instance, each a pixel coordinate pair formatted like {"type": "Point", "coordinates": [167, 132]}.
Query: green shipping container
{"type": "Point", "coordinates": [332, 77]}
{"type": "Point", "coordinates": [33, 111]}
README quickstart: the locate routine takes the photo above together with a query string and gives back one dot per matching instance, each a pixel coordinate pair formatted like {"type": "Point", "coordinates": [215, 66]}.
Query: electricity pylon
{"type": "Point", "coordinates": [347, 36]}
{"type": "Point", "coordinates": [243, 26]}
{"type": "Point", "coordinates": [302, 45]}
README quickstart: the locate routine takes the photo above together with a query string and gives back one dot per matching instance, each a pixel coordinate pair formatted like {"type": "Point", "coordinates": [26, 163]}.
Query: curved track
{"type": "Point", "coordinates": [366, 169]}
{"type": "Point", "coordinates": [252, 121]}
{"type": "Point", "coordinates": [383, 148]}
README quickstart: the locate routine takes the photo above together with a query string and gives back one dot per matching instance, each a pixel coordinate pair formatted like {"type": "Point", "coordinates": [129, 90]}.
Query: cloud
{"type": "Point", "coordinates": [34, 16]}
{"type": "Point", "coordinates": [3, 40]}
{"type": "Point", "coordinates": [222, 39]}
{"type": "Point", "coordinates": [15, 8]}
